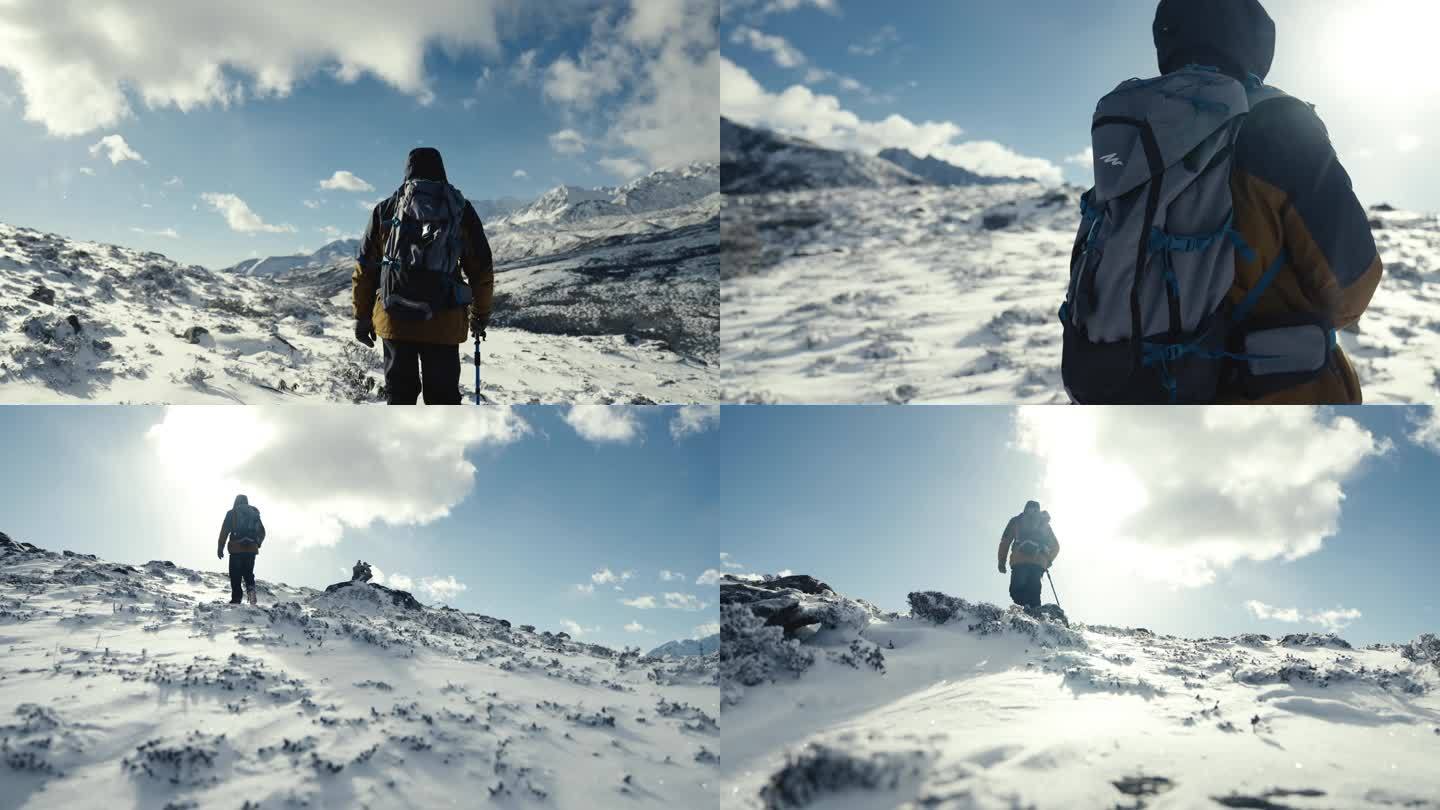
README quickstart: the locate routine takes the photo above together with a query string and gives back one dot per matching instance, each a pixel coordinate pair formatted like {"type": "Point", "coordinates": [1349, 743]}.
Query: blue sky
{"type": "Point", "coordinates": [1011, 87]}
{"type": "Point", "coordinates": [1299, 510]}
{"type": "Point", "coordinates": [116, 128]}
{"type": "Point", "coordinates": [556, 498]}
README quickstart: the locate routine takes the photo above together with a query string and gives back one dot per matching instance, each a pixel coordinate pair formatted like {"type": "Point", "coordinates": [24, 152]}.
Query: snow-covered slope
{"type": "Point", "coordinates": [966, 705]}
{"type": "Point", "coordinates": [940, 173]}
{"type": "Point", "coordinates": [688, 646]}
{"type": "Point", "coordinates": [137, 686]}
{"type": "Point", "coordinates": [623, 319]}
{"type": "Point", "coordinates": [754, 161]}
{"type": "Point", "coordinates": [950, 295]}
{"type": "Point", "coordinates": [340, 250]}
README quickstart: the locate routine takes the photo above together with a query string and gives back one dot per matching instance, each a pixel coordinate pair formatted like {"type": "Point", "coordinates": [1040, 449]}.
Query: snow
{"type": "Point", "coordinates": [687, 647]}
{"type": "Point", "coordinates": [949, 295]}
{"type": "Point", "coordinates": [621, 308]}
{"type": "Point", "coordinates": [973, 706]}
{"type": "Point", "coordinates": [138, 684]}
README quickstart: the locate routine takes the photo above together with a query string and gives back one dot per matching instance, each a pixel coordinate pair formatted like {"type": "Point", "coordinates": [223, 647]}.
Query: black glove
{"type": "Point", "coordinates": [1002, 566]}
{"type": "Point", "coordinates": [478, 325]}
{"type": "Point", "coordinates": [219, 553]}
{"type": "Point", "coordinates": [365, 332]}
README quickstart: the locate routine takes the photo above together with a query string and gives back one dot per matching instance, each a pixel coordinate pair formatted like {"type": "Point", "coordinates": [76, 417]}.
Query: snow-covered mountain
{"type": "Point", "coordinates": [950, 295]}
{"type": "Point", "coordinates": [688, 646]}
{"type": "Point", "coordinates": [755, 161]}
{"type": "Point", "coordinates": [607, 309]}
{"type": "Point", "coordinates": [139, 686]}
{"type": "Point", "coordinates": [341, 250]}
{"type": "Point", "coordinates": [829, 701]}
{"type": "Point", "coordinates": [940, 173]}
{"type": "Point", "coordinates": [661, 190]}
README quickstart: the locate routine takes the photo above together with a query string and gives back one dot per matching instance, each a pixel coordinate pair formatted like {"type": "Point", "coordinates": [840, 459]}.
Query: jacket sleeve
{"type": "Point", "coordinates": [1006, 538]}
{"type": "Point", "coordinates": [366, 278]}
{"type": "Point", "coordinates": [478, 263]}
{"type": "Point", "coordinates": [261, 535]}
{"type": "Point", "coordinates": [1054, 547]}
{"type": "Point", "coordinates": [1306, 193]}
{"type": "Point", "coordinates": [224, 531]}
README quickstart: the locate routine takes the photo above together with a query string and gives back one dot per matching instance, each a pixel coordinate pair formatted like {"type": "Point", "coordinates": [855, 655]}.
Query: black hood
{"type": "Point", "coordinates": [1236, 36]}
{"type": "Point", "coordinates": [425, 164]}
{"type": "Point", "coordinates": [241, 500]}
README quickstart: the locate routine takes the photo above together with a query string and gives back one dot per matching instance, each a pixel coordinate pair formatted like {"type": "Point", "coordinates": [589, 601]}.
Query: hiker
{"type": "Point", "coordinates": [245, 531]}
{"type": "Point", "coordinates": [1225, 277]}
{"type": "Point", "coordinates": [423, 264]}
{"type": "Point", "coordinates": [1030, 544]}
{"type": "Point", "coordinates": [361, 572]}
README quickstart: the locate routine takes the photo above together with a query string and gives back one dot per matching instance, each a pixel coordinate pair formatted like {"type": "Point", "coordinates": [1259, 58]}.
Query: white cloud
{"type": "Point", "coordinates": [332, 233]}
{"type": "Point", "coordinates": [87, 171]}
{"type": "Point", "coordinates": [822, 119]}
{"type": "Point", "coordinates": [345, 181]}
{"type": "Point", "coordinates": [634, 627]}
{"type": "Point", "coordinates": [1409, 142]}
{"type": "Point", "coordinates": [1085, 157]}
{"type": "Point", "coordinates": [174, 182]}
{"type": "Point", "coordinates": [298, 465]}
{"type": "Point", "coordinates": [567, 142]}
{"type": "Point", "coordinates": [684, 601]}
{"type": "Point", "coordinates": [710, 577]}
{"type": "Point", "coordinates": [727, 561]}
{"type": "Point", "coordinates": [641, 602]}
{"type": "Point", "coordinates": [116, 150]}
{"type": "Point", "coordinates": [1178, 494]}
{"type": "Point", "coordinates": [312, 204]}
{"type": "Point", "coordinates": [667, 575]}
{"type": "Point", "coordinates": [692, 419]}
{"type": "Point", "coordinates": [706, 630]}
{"type": "Point", "coordinates": [1334, 620]}
{"type": "Point", "coordinates": [585, 589]}
{"type": "Point", "coordinates": [399, 582]}
{"type": "Point", "coordinates": [653, 69]}
{"type": "Point", "coordinates": [879, 42]}
{"type": "Point", "coordinates": [575, 629]}
{"type": "Point", "coordinates": [1425, 429]}
{"type": "Point", "coordinates": [520, 173]}
{"type": "Point", "coordinates": [79, 72]}
{"type": "Point", "coordinates": [238, 215]}
{"type": "Point", "coordinates": [603, 423]}
{"type": "Point", "coordinates": [442, 590]}
{"type": "Point", "coordinates": [168, 233]}
{"type": "Point", "coordinates": [524, 71]}
{"type": "Point", "coordinates": [759, 9]}
{"type": "Point", "coordinates": [779, 48]}
{"type": "Point", "coordinates": [623, 168]}
{"type": "Point", "coordinates": [607, 577]}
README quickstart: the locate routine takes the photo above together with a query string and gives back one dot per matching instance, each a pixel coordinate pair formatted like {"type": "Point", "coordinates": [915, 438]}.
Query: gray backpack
{"type": "Point", "coordinates": [420, 273]}
{"type": "Point", "coordinates": [1031, 536]}
{"type": "Point", "coordinates": [1147, 317]}
{"type": "Point", "coordinates": [245, 522]}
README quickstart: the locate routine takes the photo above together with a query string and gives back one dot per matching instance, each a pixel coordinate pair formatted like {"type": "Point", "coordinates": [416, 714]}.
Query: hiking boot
{"type": "Point", "coordinates": [234, 601]}
{"type": "Point", "coordinates": [251, 595]}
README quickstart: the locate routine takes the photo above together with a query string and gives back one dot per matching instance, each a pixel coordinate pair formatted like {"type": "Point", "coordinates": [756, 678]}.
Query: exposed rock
{"type": "Point", "coordinates": [43, 294]}
{"type": "Point", "coordinates": [401, 599]}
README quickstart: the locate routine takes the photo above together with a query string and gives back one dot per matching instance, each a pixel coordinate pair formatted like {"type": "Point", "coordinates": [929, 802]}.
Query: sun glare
{"type": "Point", "coordinates": [1382, 51]}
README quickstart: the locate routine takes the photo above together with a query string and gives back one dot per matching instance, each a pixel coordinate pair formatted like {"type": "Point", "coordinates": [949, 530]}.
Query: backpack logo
{"type": "Point", "coordinates": [1112, 159]}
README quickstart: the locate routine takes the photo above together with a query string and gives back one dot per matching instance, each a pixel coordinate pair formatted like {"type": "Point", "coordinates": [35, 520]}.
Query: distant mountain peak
{"type": "Point", "coordinates": [940, 172]}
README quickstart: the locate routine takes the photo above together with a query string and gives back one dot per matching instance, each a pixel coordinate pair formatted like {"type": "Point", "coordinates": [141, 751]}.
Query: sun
{"type": "Point", "coordinates": [1380, 52]}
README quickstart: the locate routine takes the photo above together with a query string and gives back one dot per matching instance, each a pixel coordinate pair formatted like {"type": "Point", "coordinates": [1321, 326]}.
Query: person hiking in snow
{"type": "Point", "coordinates": [1030, 544]}
{"type": "Point", "coordinates": [361, 572]}
{"type": "Point", "coordinates": [245, 531]}
{"type": "Point", "coordinates": [423, 264]}
{"type": "Point", "coordinates": [1222, 246]}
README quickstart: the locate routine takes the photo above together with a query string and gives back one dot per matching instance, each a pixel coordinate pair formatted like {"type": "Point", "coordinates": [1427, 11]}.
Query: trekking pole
{"type": "Point", "coordinates": [477, 369]}
{"type": "Point", "coordinates": [1052, 590]}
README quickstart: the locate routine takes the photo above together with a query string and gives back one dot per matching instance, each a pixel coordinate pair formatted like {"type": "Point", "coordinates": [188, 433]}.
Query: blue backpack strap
{"type": "Point", "coordinates": [1242, 311]}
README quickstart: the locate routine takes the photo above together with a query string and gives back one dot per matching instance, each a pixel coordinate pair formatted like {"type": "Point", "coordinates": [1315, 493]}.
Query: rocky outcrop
{"type": "Point", "coordinates": [400, 599]}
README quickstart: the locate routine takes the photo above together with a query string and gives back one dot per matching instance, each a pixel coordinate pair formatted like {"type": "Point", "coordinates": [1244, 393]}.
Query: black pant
{"type": "Point", "coordinates": [404, 363]}
{"type": "Point", "coordinates": [242, 567]}
{"type": "Point", "coordinates": [1025, 584]}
